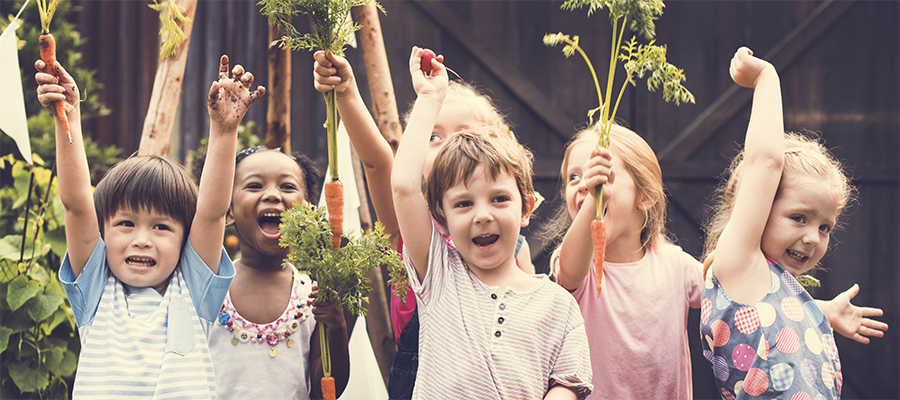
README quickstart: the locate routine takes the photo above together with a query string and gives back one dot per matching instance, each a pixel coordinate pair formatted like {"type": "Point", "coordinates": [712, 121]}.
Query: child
{"type": "Point", "coordinates": [637, 327]}
{"type": "Point", "coordinates": [463, 107]}
{"type": "Point", "coordinates": [762, 332]}
{"type": "Point", "coordinates": [488, 330]}
{"type": "Point", "coordinates": [145, 264]}
{"type": "Point", "coordinates": [265, 319]}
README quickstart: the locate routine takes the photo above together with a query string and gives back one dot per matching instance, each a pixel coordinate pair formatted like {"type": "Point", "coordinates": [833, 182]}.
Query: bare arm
{"type": "Point", "coordinates": [334, 72]}
{"type": "Point", "coordinates": [228, 102]}
{"type": "Point", "coordinates": [406, 182]}
{"type": "Point", "coordinates": [560, 392]}
{"type": "Point", "coordinates": [82, 229]}
{"type": "Point", "coordinates": [577, 248]}
{"type": "Point", "coordinates": [739, 263]}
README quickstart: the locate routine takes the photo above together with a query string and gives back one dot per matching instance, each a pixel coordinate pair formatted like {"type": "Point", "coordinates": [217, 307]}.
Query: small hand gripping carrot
{"type": "Point", "coordinates": [598, 236]}
{"type": "Point", "coordinates": [334, 202]}
{"type": "Point", "coordinates": [48, 56]}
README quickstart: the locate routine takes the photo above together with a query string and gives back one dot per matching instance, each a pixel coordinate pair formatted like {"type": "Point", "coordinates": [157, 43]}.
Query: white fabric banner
{"type": "Point", "coordinates": [13, 121]}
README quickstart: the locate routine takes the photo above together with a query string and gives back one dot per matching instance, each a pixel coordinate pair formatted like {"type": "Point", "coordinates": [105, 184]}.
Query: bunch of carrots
{"type": "Point", "coordinates": [47, 43]}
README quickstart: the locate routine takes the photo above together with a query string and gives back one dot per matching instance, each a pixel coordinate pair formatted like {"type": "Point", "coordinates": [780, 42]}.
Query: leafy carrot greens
{"type": "Point", "coordinates": [171, 34]}
{"type": "Point", "coordinates": [639, 61]}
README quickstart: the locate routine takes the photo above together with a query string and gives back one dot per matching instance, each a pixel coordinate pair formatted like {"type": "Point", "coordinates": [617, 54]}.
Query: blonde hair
{"type": "Point", "coordinates": [497, 151]}
{"type": "Point", "coordinates": [641, 163]}
{"type": "Point", "coordinates": [804, 157]}
{"type": "Point", "coordinates": [483, 108]}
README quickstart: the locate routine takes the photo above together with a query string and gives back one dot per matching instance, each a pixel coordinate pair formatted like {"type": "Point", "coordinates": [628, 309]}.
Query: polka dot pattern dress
{"type": "Point", "coordinates": [782, 347]}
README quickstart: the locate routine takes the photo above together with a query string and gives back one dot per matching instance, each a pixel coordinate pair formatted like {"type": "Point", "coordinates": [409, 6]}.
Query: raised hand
{"type": "Point", "coordinates": [598, 170]}
{"type": "Point", "coordinates": [230, 98]}
{"type": "Point", "coordinates": [745, 69]}
{"type": "Point", "coordinates": [52, 89]}
{"type": "Point", "coordinates": [426, 84]}
{"type": "Point", "coordinates": [331, 71]}
{"type": "Point", "coordinates": [850, 320]}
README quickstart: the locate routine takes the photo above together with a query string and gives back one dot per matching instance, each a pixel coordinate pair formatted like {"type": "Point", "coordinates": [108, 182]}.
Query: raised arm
{"type": "Point", "coordinates": [577, 248]}
{"type": "Point", "coordinates": [334, 72]}
{"type": "Point", "coordinates": [82, 229]}
{"type": "Point", "coordinates": [228, 102]}
{"type": "Point", "coordinates": [739, 263]}
{"type": "Point", "coordinates": [406, 182]}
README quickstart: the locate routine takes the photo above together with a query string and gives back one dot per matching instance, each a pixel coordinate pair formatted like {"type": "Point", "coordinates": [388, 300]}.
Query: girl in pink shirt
{"type": "Point", "coordinates": [636, 328]}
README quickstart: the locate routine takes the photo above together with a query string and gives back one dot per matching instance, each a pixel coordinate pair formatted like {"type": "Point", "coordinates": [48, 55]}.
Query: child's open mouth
{"type": "Point", "coordinates": [485, 240]}
{"type": "Point", "coordinates": [797, 256]}
{"type": "Point", "coordinates": [269, 223]}
{"type": "Point", "coordinates": [141, 261]}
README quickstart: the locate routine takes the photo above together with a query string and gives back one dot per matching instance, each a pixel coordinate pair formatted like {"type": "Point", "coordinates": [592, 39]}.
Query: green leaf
{"type": "Point", "coordinates": [28, 378]}
{"type": "Point", "coordinates": [21, 289]}
{"type": "Point", "coordinates": [41, 275]}
{"type": "Point", "coordinates": [18, 321]}
{"type": "Point", "coordinates": [53, 357]}
{"type": "Point", "coordinates": [44, 305]}
{"type": "Point", "coordinates": [9, 247]}
{"type": "Point", "coordinates": [57, 241]}
{"type": "Point", "coordinates": [68, 364]}
{"type": "Point", "coordinates": [4, 337]}
{"type": "Point", "coordinates": [9, 269]}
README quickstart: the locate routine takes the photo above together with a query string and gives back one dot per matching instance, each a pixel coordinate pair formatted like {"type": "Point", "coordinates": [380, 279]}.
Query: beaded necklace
{"type": "Point", "coordinates": [244, 331]}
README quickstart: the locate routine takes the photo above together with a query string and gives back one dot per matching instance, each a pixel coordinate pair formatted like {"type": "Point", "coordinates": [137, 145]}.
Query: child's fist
{"type": "Point", "coordinates": [598, 170]}
{"type": "Point", "coordinates": [331, 71]}
{"type": "Point", "coordinates": [745, 69]}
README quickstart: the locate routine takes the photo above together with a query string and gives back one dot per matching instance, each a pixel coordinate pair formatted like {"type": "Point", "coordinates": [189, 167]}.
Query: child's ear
{"type": "Point", "coordinates": [647, 201]}
{"type": "Point", "coordinates": [526, 217]}
{"type": "Point", "coordinates": [229, 217]}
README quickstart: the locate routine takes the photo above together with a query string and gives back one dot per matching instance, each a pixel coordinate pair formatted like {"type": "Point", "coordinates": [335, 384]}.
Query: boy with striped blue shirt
{"type": "Point", "coordinates": [145, 264]}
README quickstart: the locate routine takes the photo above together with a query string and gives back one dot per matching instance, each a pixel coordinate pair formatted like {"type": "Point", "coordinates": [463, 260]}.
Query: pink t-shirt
{"type": "Point", "coordinates": [637, 328]}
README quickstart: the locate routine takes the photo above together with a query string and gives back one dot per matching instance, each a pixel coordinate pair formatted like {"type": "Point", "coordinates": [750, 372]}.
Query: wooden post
{"type": "Point", "coordinates": [166, 93]}
{"type": "Point", "coordinates": [384, 108]}
{"type": "Point", "coordinates": [278, 114]}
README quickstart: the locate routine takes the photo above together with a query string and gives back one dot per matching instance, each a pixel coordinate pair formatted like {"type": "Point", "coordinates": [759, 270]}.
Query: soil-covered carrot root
{"type": "Point", "coordinates": [48, 54]}
{"type": "Point", "coordinates": [328, 391]}
{"type": "Point", "coordinates": [334, 201]}
{"type": "Point", "coordinates": [598, 236]}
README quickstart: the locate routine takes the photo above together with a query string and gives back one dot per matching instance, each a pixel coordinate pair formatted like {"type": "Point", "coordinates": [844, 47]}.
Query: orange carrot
{"type": "Point", "coordinates": [48, 55]}
{"type": "Point", "coordinates": [598, 235]}
{"type": "Point", "coordinates": [334, 202]}
{"type": "Point", "coordinates": [328, 392]}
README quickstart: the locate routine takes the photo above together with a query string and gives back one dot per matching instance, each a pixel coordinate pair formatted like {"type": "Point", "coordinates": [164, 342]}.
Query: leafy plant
{"type": "Point", "coordinates": [171, 34]}
{"type": "Point", "coordinates": [304, 228]}
{"type": "Point", "coordinates": [639, 60]}
{"type": "Point", "coordinates": [38, 343]}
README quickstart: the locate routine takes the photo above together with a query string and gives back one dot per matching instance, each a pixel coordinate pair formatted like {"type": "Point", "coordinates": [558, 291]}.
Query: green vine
{"type": "Point", "coordinates": [639, 60]}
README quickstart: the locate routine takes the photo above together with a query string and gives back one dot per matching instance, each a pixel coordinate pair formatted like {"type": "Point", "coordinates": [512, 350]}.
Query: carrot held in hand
{"type": "Point", "coordinates": [598, 236]}
{"type": "Point", "coordinates": [48, 53]}
{"type": "Point", "coordinates": [334, 201]}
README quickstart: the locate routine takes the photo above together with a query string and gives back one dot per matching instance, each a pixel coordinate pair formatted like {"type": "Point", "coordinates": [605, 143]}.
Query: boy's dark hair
{"type": "Point", "coordinates": [497, 151]}
{"type": "Point", "coordinates": [311, 176]}
{"type": "Point", "coordinates": [148, 183]}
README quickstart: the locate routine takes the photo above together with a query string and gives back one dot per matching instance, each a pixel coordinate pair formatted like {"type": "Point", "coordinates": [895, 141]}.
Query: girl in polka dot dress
{"type": "Point", "coordinates": [763, 334]}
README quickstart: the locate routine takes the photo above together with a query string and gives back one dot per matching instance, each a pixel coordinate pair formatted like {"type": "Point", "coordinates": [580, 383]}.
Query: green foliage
{"type": "Point", "coordinates": [38, 343]}
{"type": "Point", "coordinates": [639, 60]}
{"type": "Point", "coordinates": [331, 26]}
{"type": "Point", "coordinates": [304, 228]}
{"type": "Point", "coordinates": [170, 15]}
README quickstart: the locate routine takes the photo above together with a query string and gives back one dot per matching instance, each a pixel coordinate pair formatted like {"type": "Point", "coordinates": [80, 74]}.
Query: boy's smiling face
{"type": "Point", "coordinates": [143, 247]}
{"type": "Point", "coordinates": [484, 220]}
